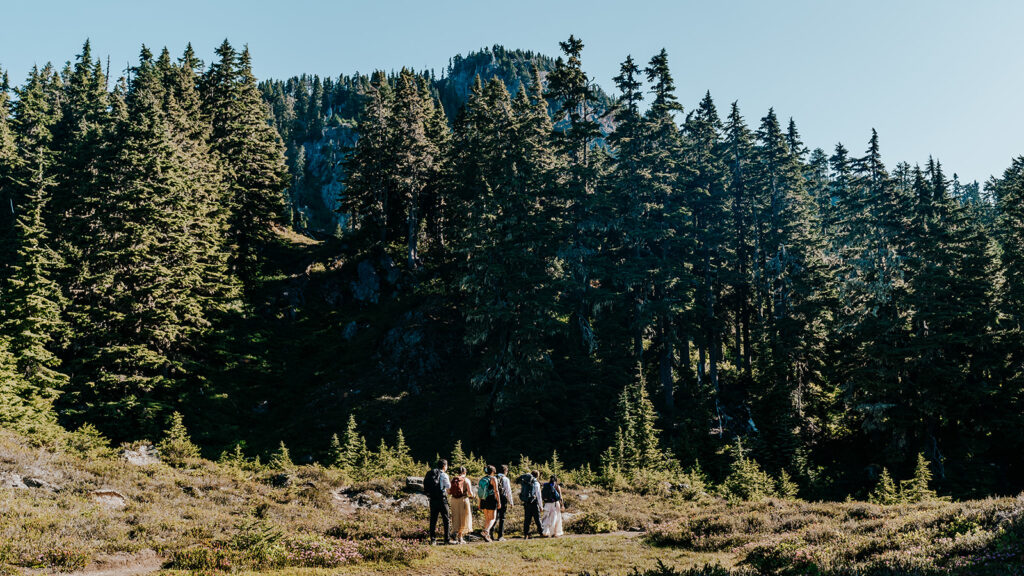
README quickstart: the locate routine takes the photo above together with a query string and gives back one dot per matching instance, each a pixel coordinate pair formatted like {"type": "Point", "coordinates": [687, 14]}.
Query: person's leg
{"type": "Point", "coordinates": [446, 519]}
{"type": "Point", "coordinates": [500, 525]}
{"type": "Point", "coordinates": [434, 511]}
{"type": "Point", "coordinates": [488, 523]}
{"type": "Point", "coordinates": [536, 519]}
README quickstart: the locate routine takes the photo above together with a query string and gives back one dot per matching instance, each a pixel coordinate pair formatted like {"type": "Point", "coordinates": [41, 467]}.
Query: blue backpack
{"type": "Point", "coordinates": [484, 488]}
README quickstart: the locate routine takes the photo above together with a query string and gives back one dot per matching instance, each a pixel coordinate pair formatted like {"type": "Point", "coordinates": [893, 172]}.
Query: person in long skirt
{"type": "Point", "coordinates": [462, 511]}
{"type": "Point", "coordinates": [551, 494]}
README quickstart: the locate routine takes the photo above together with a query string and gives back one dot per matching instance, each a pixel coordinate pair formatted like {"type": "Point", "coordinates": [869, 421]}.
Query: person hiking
{"type": "Point", "coordinates": [436, 485]}
{"type": "Point", "coordinates": [529, 496]}
{"type": "Point", "coordinates": [487, 491]}
{"type": "Point", "coordinates": [551, 494]}
{"type": "Point", "coordinates": [462, 510]}
{"type": "Point", "coordinates": [504, 498]}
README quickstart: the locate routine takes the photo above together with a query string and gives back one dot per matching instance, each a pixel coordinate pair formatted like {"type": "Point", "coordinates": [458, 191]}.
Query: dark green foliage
{"type": "Point", "coordinates": [495, 259]}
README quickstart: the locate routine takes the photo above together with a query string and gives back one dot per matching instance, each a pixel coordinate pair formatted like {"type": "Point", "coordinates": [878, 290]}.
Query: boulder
{"type": "Point", "coordinates": [33, 482]}
{"type": "Point", "coordinates": [109, 498]}
{"type": "Point", "coordinates": [414, 483]}
{"type": "Point", "coordinates": [11, 480]}
{"type": "Point", "coordinates": [143, 455]}
{"type": "Point", "coordinates": [414, 501]}
{"type": "Point", "coordinates": [370, 499]}
{"type": "Point", "coordinates": [583, 497]}
{"type": "Point", "coordinates": [192, 491]}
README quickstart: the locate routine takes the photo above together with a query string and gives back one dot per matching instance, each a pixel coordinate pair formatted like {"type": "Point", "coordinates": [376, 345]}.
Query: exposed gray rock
{"type": "Point", "coordinates": [414, 483]}
{"type": "Point", "coordinates": [33, 482]}
{"type": "Point", "coordinates": [143, 455]}
{"type": "Point", "coordinates": [414, 501]}
{"type": "Point", "coordinates": [193, 491]}
{"type": "Point", "coordinates": [367, 288]}
{"type": "Point", "coordinates": [11, 480]}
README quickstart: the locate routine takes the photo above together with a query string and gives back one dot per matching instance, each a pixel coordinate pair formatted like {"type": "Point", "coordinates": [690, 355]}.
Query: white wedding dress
{"type": "Point", "coordinates": [552, 520]}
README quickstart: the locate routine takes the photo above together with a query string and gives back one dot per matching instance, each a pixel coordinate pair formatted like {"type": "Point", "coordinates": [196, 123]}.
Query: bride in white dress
{"type": "Point", "coordinates": [551, 494]}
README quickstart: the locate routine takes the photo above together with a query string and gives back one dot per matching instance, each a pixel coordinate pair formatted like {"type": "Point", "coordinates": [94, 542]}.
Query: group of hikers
{"type": "Point", "coordinates": [451, 501]}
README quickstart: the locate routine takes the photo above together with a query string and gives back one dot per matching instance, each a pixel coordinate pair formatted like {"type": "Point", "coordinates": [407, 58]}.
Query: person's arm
{"type": "Point", "coordinates": [446, 484]}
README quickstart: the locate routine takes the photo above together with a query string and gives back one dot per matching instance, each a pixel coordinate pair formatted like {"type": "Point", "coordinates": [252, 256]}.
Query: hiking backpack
{"type": "Point", "coordinates": [505, 486]}
{"type": "Point", "coordinates": [432, 484]}
{"type": "Point", "coordinates": [484, 488]}
{"type": "Point", "coordinates": [459, 488]}
{"type": "Point", "coordinates": [548, 493]}
{"type": "Point", "coordinates": [526, 495]}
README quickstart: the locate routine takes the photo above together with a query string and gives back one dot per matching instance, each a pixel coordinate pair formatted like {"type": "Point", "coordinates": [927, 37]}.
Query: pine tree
{"type": "Point", "coordinates": [885, 491]}
{"type": "Point", "coordinates": [705, 177]}
{"type": "Point", "coordinates": [281, 459]}
{"type": "Point", "coordinates": [369, 197]}
{"type": "Point", "coordinates": [33, 318]}
{"type": "Point", "coordinates": [416, 157]}
{"type": "Point", "coordinates": [251, 155]}
{"type": "Point", "coordinates": [791, 285]}
{"type": "Point", "coordinates": [507, 234]}
{"type": "Point", "coordinates": [571, 93]}
{"type": "Point", "coordinates": [177, 448]}
{"type": "Point", "coordinates": [149, 287]}
{"type": "Point", "coordinates": [918, 488]}
{"type": "Point", "coordinates": [351, 450]}
{"type": "Point", "coordinates": [22, 408]}
{"type": "Point", "coordinates": [8, 153]}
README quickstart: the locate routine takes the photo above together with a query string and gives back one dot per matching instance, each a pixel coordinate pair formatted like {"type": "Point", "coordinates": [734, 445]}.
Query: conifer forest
{"type": "Point", "coordinates": [507, 257]}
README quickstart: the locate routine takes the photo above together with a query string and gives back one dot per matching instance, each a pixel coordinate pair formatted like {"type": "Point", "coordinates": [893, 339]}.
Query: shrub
{"type": "Point", "coordinates": [88, 442]}
{"type": "Point", "coordinates": [593, 523]}
{"type": "Point", "coordinates": [746, 480]}
{"type": "Point", "coordinates": [207, 556]}
{"type": "Point", "coordinates": [320, 552]}
{"type": "Point", "coordinates": [259, 543]}
{"type": "Point", "coordinates": [392, 550]}
{"type": "Point", "coordinates": [369, 524]}
{"type": "Point", "coordinates": [66, 558]}
{"type": "Point", "coordinates": [177, 449]}
{"type": "Point", "coordinates": [281, 459]}
{"type": "Point", "coordinates": [787, 487]}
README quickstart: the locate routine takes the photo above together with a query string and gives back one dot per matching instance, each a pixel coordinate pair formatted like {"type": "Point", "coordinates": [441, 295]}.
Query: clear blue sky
{"type": "Point", "coordinates": [934, 77]}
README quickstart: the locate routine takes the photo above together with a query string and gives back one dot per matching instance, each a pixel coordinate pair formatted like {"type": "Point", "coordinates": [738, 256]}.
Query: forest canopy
{"type": "Point", "coordinates": [504, 256]}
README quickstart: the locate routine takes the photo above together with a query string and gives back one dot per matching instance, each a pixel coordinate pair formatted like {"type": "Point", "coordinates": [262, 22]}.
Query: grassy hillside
{"type": "Point", "coordinates": [84, 507]}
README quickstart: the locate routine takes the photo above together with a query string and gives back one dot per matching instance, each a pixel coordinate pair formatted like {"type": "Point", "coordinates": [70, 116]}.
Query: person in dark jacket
{"type": "Point", "coordinates": [530, 497]}
{"type": "Point", "coordinates": [505, 497]}
{"type": "Point", "coordinates": [436, 484]}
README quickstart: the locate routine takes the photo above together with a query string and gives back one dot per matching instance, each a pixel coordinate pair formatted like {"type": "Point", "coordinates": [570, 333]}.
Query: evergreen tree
{"type": "Point", "coordinates": [251, 155]}
{"type": "Point", "coordinates": [7, 165]}
{"type": "Point", "coordinates": [33, 318]}
{"type": "Point", "coordinates": [576, 129]}
{"type": "Point", "coordinates": [506, 247]}
{"type": "Point", "coordinates": [369, 199]}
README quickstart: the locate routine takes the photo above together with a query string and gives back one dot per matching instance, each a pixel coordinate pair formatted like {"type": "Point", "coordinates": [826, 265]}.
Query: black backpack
{"type": "Point", "coordinates": [432, 484]}
{"type": "Point", "coordinates": [505, 489]}
{"type": "Point", "coordinates": [548, 493]}
{"type": "Point", "coordinates": [526, 495]}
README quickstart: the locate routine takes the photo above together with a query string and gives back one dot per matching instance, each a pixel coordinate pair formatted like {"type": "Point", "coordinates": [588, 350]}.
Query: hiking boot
{"type": "Point", "coordinates": [485, 535]}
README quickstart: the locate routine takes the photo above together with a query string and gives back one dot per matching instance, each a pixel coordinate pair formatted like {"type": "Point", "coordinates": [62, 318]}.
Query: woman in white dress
{"type": "Point", "coordinates": [551, 494]}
